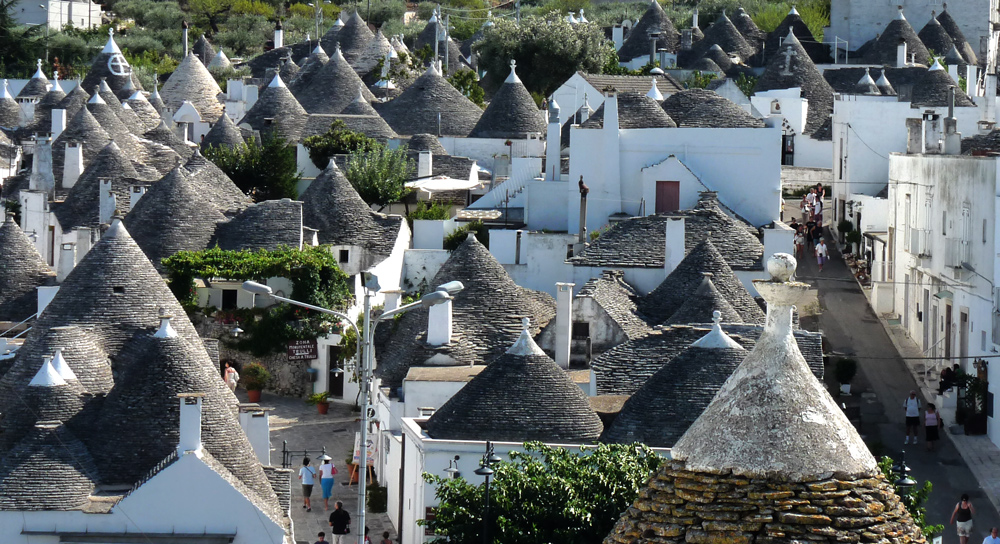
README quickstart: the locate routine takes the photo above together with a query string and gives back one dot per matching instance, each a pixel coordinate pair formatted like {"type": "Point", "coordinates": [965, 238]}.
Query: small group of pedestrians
{"type": "Point", "coordinates": [340, 519]}
{"type": "Point", "coordinates": [932, 421]}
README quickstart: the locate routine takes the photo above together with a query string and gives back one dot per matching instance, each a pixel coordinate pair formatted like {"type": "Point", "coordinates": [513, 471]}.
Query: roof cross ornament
{"type": "Point", "coordinates": [789, 53]}
{"type": "Point", "coordinates": [39, 64]}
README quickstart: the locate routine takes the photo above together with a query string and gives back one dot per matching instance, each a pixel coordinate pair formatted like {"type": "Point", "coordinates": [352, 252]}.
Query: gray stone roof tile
{"type": "Point", "coordinates": [957, 37]}
{"type": "Point", "coordinates": [192, 82]}
{"type": "Point", "coordinates": [885, 47]}
{"type": "Point", "coordinates": [635, 84]}
{"type": "Point", "coordinates": [36, 87]}
{"type": "Point", "coordinates": [520, 396]}
{"type": "Point", "coordinates": [701, 305]}
{"type": "Point", "coordinates": [22, 270]}
{"type": "Point", "coordinates": [789, 67]}
{"type": "Point", "coordinates": [639, 242]}
{"type": "Point", "coordinates": [724, 34]}
{"type": "Point", "coordinates": [486, 316]}
{"type": "Point", "coordinates": [83, 129]}
{"type": "Point", "coordinates": [265, 225]}
{"type": "Point", "coordinates": [635, 110]}
{"type": "Point", "coordinates": [618, 300]}
{"type": "Point", "coordinates": [204, 50]}
{"type": "Point", "coordinates": [333, 207]}
{"type": "Point", "coordinates": [416, 110]}
{"type": "Point", "coordinates": [511, 113]}
{"type": "Point", "coordinates": [682, 284]}
{"type": "Point", "coordinates": [223, 134]}
{"type": "Point", "coordinates": [27, 471]}
{"type": "Point", "coordinates": [818, 52]}
{"type": "Point", "coordinates": [82, 207]}
{"type": "Point", "coordinates": [277, 111]}
{"type": "Point", "coordinates": [929, 87]}
{"type": "Point", "coordinates": [637, 44]}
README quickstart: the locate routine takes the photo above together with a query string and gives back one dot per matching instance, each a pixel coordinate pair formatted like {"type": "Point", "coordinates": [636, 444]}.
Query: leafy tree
{"type": "Point", "coordinates": [545, 494]}
{"type": "Point", "coordinates": [380, 175]}
{"type": "Point", "coordinates": [433, 211]}
{"type": "Point", "coordinates": [337, 140]}
{"type": "Point", "coordinates": [746, 83]}
{"type": "Point", "coordinates": [914, 499]}
{"type": "Point", "coordinates": [467, 83]}
{"type": "Point", "coordinates": [16, 42]}
{"type": "Point", "coordinates": [548, 50]}
{"type": "Point", "coordinates": [265, 170]}
{"type": "Point", "coordinates": [211, 12]}
{"type": "Point", "coordinates": [699, 80]}
{"type": "Point", "coordinates": [457, 236]}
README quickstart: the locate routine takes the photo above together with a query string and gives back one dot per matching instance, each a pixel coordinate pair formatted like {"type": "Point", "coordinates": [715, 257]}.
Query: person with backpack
{"type": "Point", "coordinates": [912, 407]}
{"type": "Point", "coordinates": [307, 475]}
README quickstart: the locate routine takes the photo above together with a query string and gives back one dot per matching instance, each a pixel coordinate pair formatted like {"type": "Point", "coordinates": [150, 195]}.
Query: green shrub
{"type": "Point", "coordinates": [254, 377]}
{"type": "Point", "coordinates": [844, 226]}
{"type": "Point", "coordinates": [455, 239]}
{"type": "Point", "coordinates": [378, 499]}
{"type": "Point", "coordinates": [337, 140]}
{"type": "Point", "coordinates": [265, 170]}
{"type": "Point", "coordinates": [467, 83]}
{"type": "Point", "coordinates": [380, 175]}
{"type": "Point", "coordinates": [385, 11]}
{"type": "Point", "coordinates": [853, 237]}
{"type": "Point", "coordinates": [434, 211]}
{"type": "Point", "coordinates": [845, 370]}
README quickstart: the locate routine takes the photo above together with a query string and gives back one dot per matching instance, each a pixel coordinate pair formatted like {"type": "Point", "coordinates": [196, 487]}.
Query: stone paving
{"type": "Point", "coordinates": [301, 428]}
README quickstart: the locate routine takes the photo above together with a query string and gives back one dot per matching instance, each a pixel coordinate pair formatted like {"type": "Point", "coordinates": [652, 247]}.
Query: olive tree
{"type": "Point", "coordinates": [544, 494]}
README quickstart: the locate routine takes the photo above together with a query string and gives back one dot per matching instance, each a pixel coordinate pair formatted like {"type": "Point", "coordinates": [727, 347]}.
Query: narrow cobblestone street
{"type": "Point", "coordinates": [852, 329]}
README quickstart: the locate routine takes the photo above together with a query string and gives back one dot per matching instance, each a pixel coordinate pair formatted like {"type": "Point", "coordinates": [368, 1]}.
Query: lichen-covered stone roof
{"type": "Point", "coordinates": [618, 300]}
{"type": "Point", "coordinates": [790, 66]}
{"type": "Point", "coordinates": [654, 19]}
{"type": "Point", "coordinates": [635, 110]}
{"type": "Point", "coordinates": [22, 270]}
{"type": "Point", "coordinates": [192, 81]}
{"type": "Point", "coordinates": [416, 110]}
{"type": "Point", "coordinates": [520, 396]}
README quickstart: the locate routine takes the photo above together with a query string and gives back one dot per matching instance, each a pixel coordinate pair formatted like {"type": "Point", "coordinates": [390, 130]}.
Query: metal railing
{"type": "Point", "coordinates": [920, 242]}
{"type": "Point", "coordinates": [29, 318]}
{"type": "Point", "coordinates": [288, 455]}
{"type": "Point", "coordinates": [958, 251]}
{"type": "Point", "coordinates": [881, 270]}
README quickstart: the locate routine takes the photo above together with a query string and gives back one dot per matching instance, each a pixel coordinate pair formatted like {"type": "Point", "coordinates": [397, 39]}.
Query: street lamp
{"type": "Point", "coordinates": [904, 482]}
{"type": "Point", "coordinates": [489, 459]}
{"type": "Point", "coordinates": [46, 10]}
{"type": "Point", "coordinates": [452, 469]}
{"type": "Point", "coordinates": [439, 296]}
{"type": "Point", "coordinates": [318, 6]}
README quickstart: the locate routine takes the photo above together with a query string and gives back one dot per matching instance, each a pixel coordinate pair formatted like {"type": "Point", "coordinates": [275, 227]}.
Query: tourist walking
{"type": "Point", "coordinates": [821, 253]}
{"type": "Point", "coordinates": [993, 537]}
{"type": "Point", "coordinates": [912, 407]}
{"type": "Point", "coordinates": [800, 243]}
{"type": "Point", "coordinates": [385, 538]}
{"type": "Point", "coordinates": [307, 475]}
{"type": "Point", "coordinates": [322, 538]}
{"type": "Point", "coordinates": [962, 518]}
{"type": "Point", "coordinates": [818, 211]}
{"type": "Point", "coordinates": [340, 524]}
{"type": "Point", "coordinates": [326, 473]}
{"type": "Point", "coordinates": [932, 425]}
{"type": "Point", "coordinates": [231, 377]}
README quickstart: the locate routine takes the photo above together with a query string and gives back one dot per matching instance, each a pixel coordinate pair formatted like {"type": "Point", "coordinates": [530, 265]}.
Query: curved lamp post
{"type": "Point", "coordinates": [489, 459]}
{"type": "Point", "coordinates": [439, 296]}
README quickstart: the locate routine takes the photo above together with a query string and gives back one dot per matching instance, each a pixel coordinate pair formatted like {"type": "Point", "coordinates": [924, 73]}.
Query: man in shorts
{"type": "Point", "coordinates": [912, 407]}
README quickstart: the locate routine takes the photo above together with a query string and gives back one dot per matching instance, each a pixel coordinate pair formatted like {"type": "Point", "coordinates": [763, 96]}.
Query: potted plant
{"type": "Point", "coordinates": [853, 239]}
{"type": "Point", "coordinates": [254, 377]}
{"type": "Point", "coordinates": [845, 371]}
{"type": "Point", "coordinates": [843, 227]}
{"type": "Point", "coordinates": [972, 406]}
{"type": "Point", "coordinates": [378, 499]}
{"type": "Point", "coordinates": [320, 401]}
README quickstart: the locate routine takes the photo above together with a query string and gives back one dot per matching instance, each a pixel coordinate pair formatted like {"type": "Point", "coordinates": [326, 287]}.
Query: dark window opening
{"type": "Point", "coordinates": [229, 299]}
{"type": "Point", "coordinates": [345, 255]}
{"type": "Point", "coordinates": [581, 330]}
{"type": "Point", "coordinates": [118, 290]}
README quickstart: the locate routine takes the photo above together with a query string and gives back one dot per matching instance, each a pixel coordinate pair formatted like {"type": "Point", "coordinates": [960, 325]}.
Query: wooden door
{"type": "Point", "coordinates": [668, 196]}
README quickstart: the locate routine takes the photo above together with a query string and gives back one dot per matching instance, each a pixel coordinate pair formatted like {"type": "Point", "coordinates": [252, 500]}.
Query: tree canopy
{"type": "Point", "coordinates": [548, 50]}
{"type": "Point", "coordinates": [265, 170]}
{"type": "Point", "coordinates": [380, 175]}
{"type": "Point", "coordinates": [545, 494]}
{"type": "Point", "coordinates": [337, 140]}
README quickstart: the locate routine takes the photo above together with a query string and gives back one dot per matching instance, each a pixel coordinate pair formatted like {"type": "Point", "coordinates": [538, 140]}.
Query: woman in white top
{"type": "Point", "coordinates": [821, 253]}
{"type": "Point", "coordinates": [932, 425]}
{"type": "Point", "coordinates": [326, 473]}
{"type": "Point", "coordinates": [307, 475]}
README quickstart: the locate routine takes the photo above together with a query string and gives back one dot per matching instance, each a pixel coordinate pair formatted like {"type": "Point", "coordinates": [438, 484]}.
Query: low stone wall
{"type": "Point", "coordinates": [288, 378]}
{"type": "Point", "coordinates": [701, 508]}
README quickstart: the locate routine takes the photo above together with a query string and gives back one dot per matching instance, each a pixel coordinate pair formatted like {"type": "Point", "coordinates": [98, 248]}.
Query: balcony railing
{"type": "Point", "coordinates": [920, 242]}
{"type": "Point", "coordinates": [958, 251]}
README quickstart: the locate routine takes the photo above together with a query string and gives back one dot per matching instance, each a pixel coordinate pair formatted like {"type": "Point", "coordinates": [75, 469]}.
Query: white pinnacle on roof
{"type": "Point", "coordinates": [62, 367]}
{"type": "Point", "coordinates": [936, 66]}
{"type": "Point", "coordinates": [793, 11]}
{"type": "Point", "coordinates": [276, 82]}
{"type": "Point", "coordinates": [339, 22]}
{"type": "Point", "coordinates": [581, 18]}
{"type": "Point", "coordinates": [571, 19]}
{"type": "Point", "coordinates": [156, 86]}
{"type": "Point", "coordinates": [166, 330]}
{"type": "Point", "coordinates": [5, 92]}
{"type": "Point", "coordinates": [899, 16]}
{"type": "Point", "coordinates": [111, 46]}
{"type": "Point", "coordinates": [39, 74]}
{"type": "Point", "coordinates": [105, 87]}
{"type": "Point", "coordinates": [433, 19]}
{"type": "Point", "coordinates": [489, 20]}
{"type": "Point", "coordinates": [524, 344]}
{"type": "Point", "coordinates": [47, 376]}
{"type": "Point", "coordinates": [554, 109]}
{"type": "Point", "coordinates": [716, 338]}
{"type": "Point", "coordinates": [316, 50]}
{"type": "Point", "coordinates": [882, 80]}
{"type": "Point", "coordinates": [96, 99]}
{"type": "Point", "coordinates": [867, 78]}
{"type": "Point", "coordinates": [654, 92]}
{"type": "Point", "coordinates": [512, 78]}
{"type": "Point", "coordinates": [220, 60]}
{"type": "Point", "coordinates": [138, 96]}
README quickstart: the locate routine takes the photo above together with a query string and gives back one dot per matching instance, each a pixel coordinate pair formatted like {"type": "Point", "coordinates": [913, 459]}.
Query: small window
{"type": "Point", "coordinates": [581, 330]}
{"type": "Point", "coordinates": [569, 251]}
{"type": "Point", "coordinates": [426, 412]}
{"type": "Point", "coordinates": [119, 290]}
{"type": "Point", "coordinates": [345, 255]}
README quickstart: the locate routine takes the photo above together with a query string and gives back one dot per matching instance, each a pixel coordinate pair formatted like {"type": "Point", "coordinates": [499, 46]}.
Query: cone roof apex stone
{"type": "Point", "coordinates": [525, 345]}
{"type": "Point", "coordinates": [62, 367]}
{"type": "Point", "coordinates": [716, 338]}
{"type": "Point", "coordinates": [654, 92]}
{"type": "Point", "coordinates": [47, 376]}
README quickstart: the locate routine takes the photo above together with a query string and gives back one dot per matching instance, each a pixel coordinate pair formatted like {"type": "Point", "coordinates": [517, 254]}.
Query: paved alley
{"type": "Point", "coordinates": [852, 329]}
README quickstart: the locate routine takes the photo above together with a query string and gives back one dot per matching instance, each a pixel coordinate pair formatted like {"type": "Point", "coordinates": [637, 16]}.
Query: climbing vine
{"type": "Point", "coordinates": [316, 278]}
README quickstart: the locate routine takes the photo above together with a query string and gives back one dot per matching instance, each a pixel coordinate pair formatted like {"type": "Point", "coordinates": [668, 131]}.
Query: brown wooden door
{"type": "Point", "coordinates": [668, 196]}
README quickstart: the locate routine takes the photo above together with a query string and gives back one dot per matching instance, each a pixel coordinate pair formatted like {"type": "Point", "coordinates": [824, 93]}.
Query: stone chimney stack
{"type": "Point", "coordinates": [439, 323]}
{"type": "Point", "coordinates": [184, 31]}
{"type": "Point", "coordinates": [67, 260]}
{"type": "Point", "coordinates": [41, 167]}
{"type": "Point", "coordinates": [279, 35]}
{"type": "Point", "coordinates": [190, 427]}
{"type": "Point", "coordinates": [58, 122]}
{"type": "Point", "coordinates": [901, 54]}
{"type": "Point", "coordinates": [73, 164]}
{"type": "Point", "coordinates": [107, 201]}
{"type": "Point", "coordinates": [553, 143]}
{"type": "Point", "coordinates": [564, 323]}
{"type": "Point", "coordinates": [256, 424]}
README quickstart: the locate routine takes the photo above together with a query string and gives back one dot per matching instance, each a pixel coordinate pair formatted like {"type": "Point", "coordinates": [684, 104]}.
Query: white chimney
{"type": "Point", "coordinates": [135, 193]}
{"type": "Point", "coordinates": [67, 260]}
{"type": "Point", "coordinates": [553, 143]}
{"type": "Point", "coordinates": [73, 164]}
{"type": "Point", "coordinates": [611, 112]}
{"type": "Point", "coordinates": [256, 424]}
{"type": "Point", "coordinates": [694, 18]}
{"type": "Point", "coordinates": [971, 77]}
{"type": "Point", "coordinates": [107, 201]}
{"type": "Point", "coordinates": [439, 324]}
{"type": "Point", "coordinates": [914, 136]}
{"type": "Point", "coordinates": [279, 36]}
{"type": "Point", "coordinates": [190, 427]}
{"type": "Point", "coordinates": [618, 36]}
{"type": "Point", "coordinates": [58, 122]}
{"type": "Point", "coordinates": [392, 298]}
{"type": "Point", "coordinates": [674, 243]}
{"type": "Point", "coordinates": [564, 322]}
{"type": "Point", "coordinates": [425, 164]}
{"type": "Point", "coordinates": [41, 167]}
{"type": "Point", "coordinates": [901, 54]}
{"type": "Point", "coordinates": [84, 241]}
